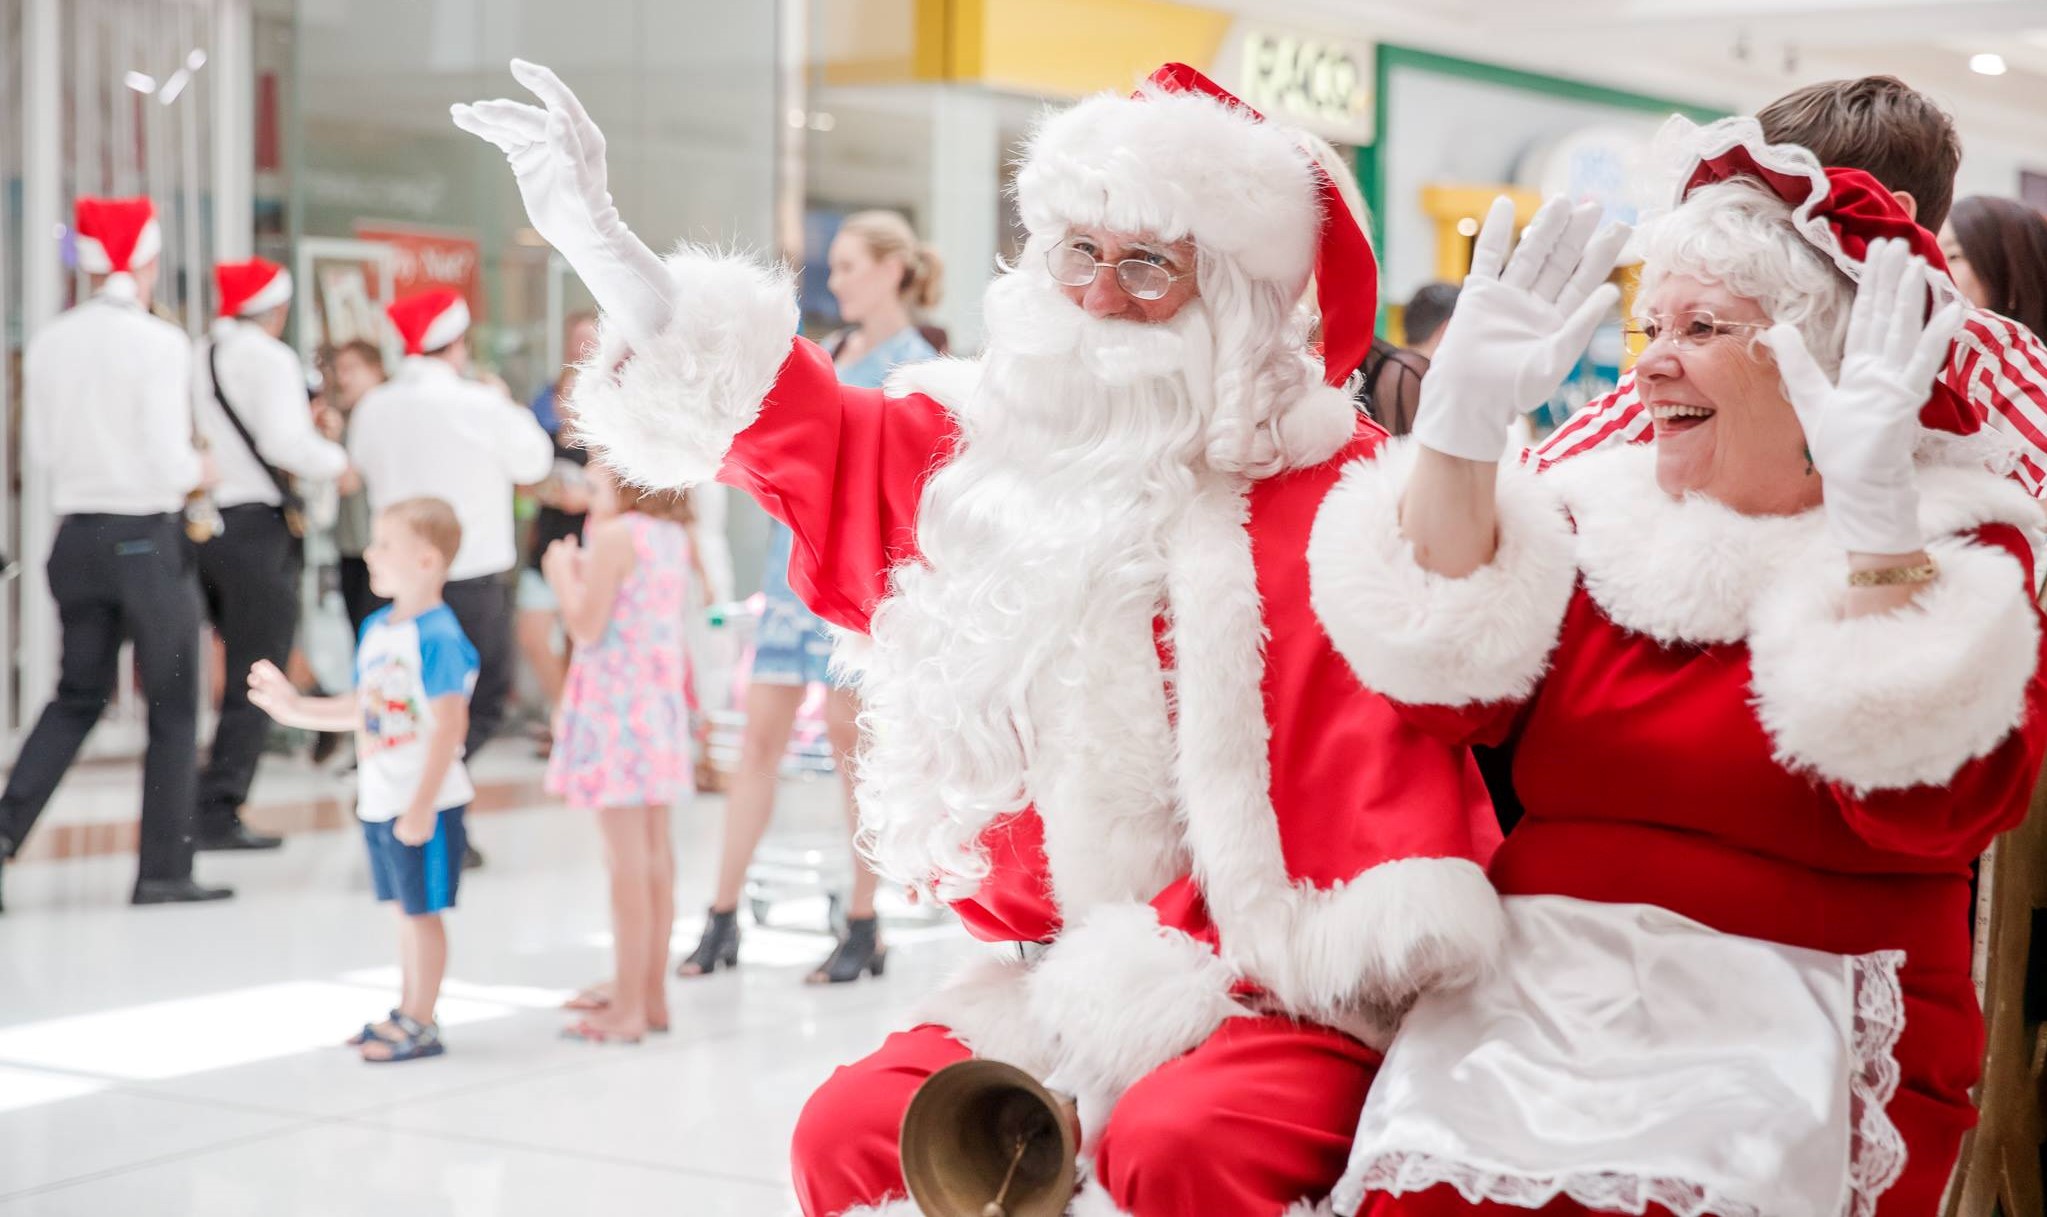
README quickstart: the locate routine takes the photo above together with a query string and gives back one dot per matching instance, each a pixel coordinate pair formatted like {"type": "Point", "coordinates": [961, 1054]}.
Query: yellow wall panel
{"type": "Point", "coordinates": [1070, 48]}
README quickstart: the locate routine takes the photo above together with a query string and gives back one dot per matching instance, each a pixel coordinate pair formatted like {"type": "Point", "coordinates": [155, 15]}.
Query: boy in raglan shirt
{"type": "Point", "coordinates": [414, 673]}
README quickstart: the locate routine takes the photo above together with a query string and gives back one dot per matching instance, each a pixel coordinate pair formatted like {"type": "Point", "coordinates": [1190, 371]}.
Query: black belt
{"type": "Point", "coordinates": [123, 517]}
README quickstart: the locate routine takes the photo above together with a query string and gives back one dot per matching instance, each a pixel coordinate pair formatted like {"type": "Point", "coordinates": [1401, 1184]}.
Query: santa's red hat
{"type": "Point", "coordinates": [114, 236]}
{"type": "Point", "coordinates": [1840, 212]}
{"type": "Point", "coordinates": [1183, 158]}
{"type": "Point", "coordinates": [251, 287]}
{"type": "Point", "coordinates": [430, 320]}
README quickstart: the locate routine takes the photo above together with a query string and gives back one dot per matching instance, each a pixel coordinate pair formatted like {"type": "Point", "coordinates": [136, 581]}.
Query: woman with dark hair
{"type": "Point", "coordinates": [1996, 249]}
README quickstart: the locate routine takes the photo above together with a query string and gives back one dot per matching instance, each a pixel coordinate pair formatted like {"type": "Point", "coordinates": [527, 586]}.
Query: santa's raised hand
{"type": "Point", "coordinates": [557, 155]}
{"type": "Point", "coordinates": [1522, 319]}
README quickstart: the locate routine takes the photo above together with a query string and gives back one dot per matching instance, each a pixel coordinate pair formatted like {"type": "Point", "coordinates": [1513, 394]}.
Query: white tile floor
{"type": "Point", "coordinates": [172, 1061]}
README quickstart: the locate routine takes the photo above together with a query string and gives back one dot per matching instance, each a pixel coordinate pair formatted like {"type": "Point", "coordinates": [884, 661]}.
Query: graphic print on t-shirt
{"type": "Point", "coordinates": [401, 666]}
{"type": "Point", "coordinates": [391, 709]}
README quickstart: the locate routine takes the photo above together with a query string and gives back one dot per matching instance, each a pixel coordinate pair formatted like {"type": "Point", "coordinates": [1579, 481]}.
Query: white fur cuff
{"type": "Point", "coordinates": [1122, 995]}
{"type": "Point", "coordinates": [1356, 956]}
{"type": "Point", "coordinates": [985, 1006]}
{"type": "Point", "coordinates": [669, 414]}
{"type": "Point", "coordinates": [1895, 699]}
{"type": "Point", "coordinates": [1424, 639]}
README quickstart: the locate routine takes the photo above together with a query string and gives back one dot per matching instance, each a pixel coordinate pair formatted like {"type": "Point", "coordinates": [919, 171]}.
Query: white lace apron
{"type": "Point", "coordinates": [1623, 1056]}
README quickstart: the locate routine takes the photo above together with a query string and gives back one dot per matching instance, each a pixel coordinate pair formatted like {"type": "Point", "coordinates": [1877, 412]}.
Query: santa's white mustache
{"type": "Point", "coordinates": [1027, 315]}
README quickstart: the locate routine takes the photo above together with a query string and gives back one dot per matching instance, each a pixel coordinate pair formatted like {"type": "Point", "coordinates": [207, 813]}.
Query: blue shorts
{"type": "Point", "coordinates": [421, 878]}
{"type": "Point", "coordinates": [791, 645]}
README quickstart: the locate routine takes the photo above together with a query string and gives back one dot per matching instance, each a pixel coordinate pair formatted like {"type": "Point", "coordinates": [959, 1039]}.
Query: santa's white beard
{"type": "Point", "coordinates": [1043, 545]}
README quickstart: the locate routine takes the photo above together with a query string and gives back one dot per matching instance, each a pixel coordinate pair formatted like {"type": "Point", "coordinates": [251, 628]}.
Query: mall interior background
{"type": "Point", "coordinates": [315, 132]}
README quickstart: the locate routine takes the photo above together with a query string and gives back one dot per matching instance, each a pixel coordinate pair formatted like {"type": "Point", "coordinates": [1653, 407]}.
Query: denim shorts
{"type": "Point", "coordinates": [421, 878]}
{"type": "Point", "coordinates": [535, 596]}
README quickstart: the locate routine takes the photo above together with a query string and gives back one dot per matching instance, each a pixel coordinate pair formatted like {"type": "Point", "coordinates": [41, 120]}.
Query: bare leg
{"type": "Point", "coordinates": [842, 725]}
{"type": "Point", "coordinates": [660, 852]}
{"type": "Point", "coordinates": [770, 716]}
{"type": "Point", "coordinates": [423, 960]}
{"type": "Point", "coordinates": [430, 939]}
{"type": "Point", "coordinates": [625, 857]}
{"type": "Point", "coordinates": [536, 642]}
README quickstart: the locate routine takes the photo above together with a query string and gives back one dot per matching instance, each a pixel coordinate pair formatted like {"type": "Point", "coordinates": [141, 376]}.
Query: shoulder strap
{"type": "Point", "coordinates": [277, 476]}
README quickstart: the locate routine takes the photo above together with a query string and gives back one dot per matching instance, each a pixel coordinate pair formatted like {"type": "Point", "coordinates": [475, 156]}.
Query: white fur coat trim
{"type": "Point", "coordinates": [1896, 699]}
{"type": "Point", "coordinates": [948, 381]}
{"type": "Point", "coordinates": [1121, 995]}
{"type": "Point", "coordinates": [1092, 1200]}
{"type": "Point", "coordinates": [1175, 165]}
{"type": "Point", "coordinates": [1422, 638]}
{"type": "Point", "coordinates": [1692, 571]}
{"type": "Point", "coordinates": [904, 1207]}
{"type": "Point", "coordinates": [667, 417]}
{"type": "Point", "coordinates": [985, 1006]}
{"type": "Point", "coordinates": [1365, 947]}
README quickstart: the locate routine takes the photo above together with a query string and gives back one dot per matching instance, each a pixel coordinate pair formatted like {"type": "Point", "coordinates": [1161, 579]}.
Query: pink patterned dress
{"type": "Point", "coordinates": [621, 736]}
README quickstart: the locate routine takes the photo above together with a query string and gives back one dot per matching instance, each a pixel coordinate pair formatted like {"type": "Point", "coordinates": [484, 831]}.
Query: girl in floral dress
{"type": "Point", "coordinates": [622, 731]}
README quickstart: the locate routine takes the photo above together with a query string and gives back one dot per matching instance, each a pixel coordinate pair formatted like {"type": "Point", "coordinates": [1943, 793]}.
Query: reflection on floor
{"type": "Point", "coordinates": [172, 1061]}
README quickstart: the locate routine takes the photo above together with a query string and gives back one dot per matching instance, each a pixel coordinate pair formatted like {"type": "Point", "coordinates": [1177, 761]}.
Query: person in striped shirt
{"type": "Point", "coordinates": [1903, 139]}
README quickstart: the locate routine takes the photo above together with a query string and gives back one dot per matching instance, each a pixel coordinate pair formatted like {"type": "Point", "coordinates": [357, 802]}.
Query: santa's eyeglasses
{"type": "Point", "coordinates": [1076, 266]}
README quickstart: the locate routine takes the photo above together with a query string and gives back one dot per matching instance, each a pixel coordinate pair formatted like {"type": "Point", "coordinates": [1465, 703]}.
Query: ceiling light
{"type": "Point", "coordinates": [1467, 227]}
{"type": "Point", "coordinates": [141, 82]}
{"type": "Point", "coordinates": [1989, 63]}
{"type": "Point", "coordinates": [174, 86]}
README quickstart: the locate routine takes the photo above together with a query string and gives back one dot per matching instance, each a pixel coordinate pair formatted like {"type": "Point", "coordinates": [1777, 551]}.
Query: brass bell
{"type": "Point", "coordinates": [985, 1139]}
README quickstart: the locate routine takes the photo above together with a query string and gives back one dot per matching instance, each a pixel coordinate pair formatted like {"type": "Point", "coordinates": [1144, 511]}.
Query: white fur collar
{"type": "Point", "coordinates": [949, 382]}
{"type": "Point", "coordinates": [1313, 428]}
{"type": "Point", "coordinates": [1690, 570]}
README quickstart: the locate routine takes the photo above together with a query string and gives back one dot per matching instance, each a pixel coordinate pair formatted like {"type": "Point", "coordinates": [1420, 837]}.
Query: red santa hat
{"type": "Point", "coordinates": [1840, 212]}
{"type": "Point", "coordinates": [1181, 158]}
{"type": "Point", "coordinates": [251, 287]}
{"type": "Point", "coordinates": [430, 320]}
{"type": "Point", "coordinates": [114, 236]}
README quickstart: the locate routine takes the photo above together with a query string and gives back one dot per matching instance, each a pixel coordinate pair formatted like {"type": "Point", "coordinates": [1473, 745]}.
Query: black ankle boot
{"type": "Point", "coordinates": [859, 951]}
{"type": "Point", "coordinates": [718, 948]}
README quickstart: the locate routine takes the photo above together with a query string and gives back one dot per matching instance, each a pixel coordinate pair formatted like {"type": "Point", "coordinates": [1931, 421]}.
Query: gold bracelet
{"type": "Point", "coordinates": [1894, 576]}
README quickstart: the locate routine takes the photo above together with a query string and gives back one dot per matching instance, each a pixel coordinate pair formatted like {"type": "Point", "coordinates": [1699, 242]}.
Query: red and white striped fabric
{"type": "Point", "coordinates": [1997, 365]}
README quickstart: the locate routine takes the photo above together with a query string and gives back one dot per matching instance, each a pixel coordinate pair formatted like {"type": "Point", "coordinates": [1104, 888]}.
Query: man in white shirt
{"type": "Point", "coordinates": [107, 415]}
{"type": "Point", "coordinates": [249, 397]}
{"type": "Point", "coordinates": [430, 432]}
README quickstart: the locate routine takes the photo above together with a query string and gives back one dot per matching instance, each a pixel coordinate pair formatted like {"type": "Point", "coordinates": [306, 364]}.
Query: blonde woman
{"type": "Point", "coordinates": [880, 276]}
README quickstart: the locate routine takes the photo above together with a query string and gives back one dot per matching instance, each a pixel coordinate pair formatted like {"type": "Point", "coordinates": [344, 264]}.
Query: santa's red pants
{"type": "Point", "coordinates": [1255, 1119]}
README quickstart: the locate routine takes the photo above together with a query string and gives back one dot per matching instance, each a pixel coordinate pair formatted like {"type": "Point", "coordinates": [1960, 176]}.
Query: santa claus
{"type": "Point", "coordinates": [1103, 718]}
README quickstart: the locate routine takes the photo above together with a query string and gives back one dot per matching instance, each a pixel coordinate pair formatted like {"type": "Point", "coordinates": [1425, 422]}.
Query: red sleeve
{"type": "Point", "coordinates": [1617, 417]}
{"type": "Point", "coordinates": [1490, 723]}
{"type": "Point", "coordinates": [1014, 903]}
{"type": "Point", "coordinates": [1987, 796]}
{"type": "Point", "coordinates": [2000, 367]}
{"type": "Point", "coordinates": [844, 469]}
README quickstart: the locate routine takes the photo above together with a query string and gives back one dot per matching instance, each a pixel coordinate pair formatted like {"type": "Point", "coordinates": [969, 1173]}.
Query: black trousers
{"type": "Point", "coordinates": [484, 607]}
{"type": "Point", "coordinates": [356, 596]}
{"type": "Point", "coordinates": [114, 577]}
{"type": "Point", "coordinates": [250, 577]}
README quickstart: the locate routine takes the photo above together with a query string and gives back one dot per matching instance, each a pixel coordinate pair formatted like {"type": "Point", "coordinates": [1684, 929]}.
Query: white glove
{"type": "Point", "coordinates": [1519, 325]}
{"type": "Point", "coordinates": [557, 155]}
{"type": "Point", "coordinates": [1860, 431]}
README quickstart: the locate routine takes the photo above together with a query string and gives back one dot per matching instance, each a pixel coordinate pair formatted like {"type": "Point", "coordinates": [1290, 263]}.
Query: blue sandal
{"type": "Point", "coordinates": [416, 1041]}
{"type": "Point", "coordinates": [369, 1031]}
